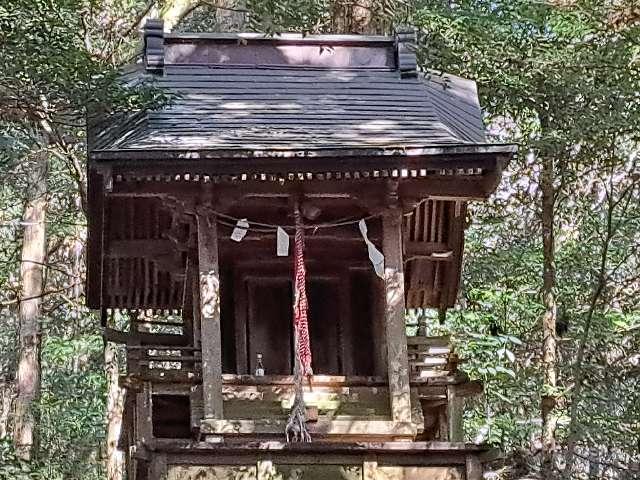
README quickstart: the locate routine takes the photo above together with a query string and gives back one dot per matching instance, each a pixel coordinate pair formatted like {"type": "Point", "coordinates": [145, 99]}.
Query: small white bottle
{"type": "Point", "coordinates": [259, 366]}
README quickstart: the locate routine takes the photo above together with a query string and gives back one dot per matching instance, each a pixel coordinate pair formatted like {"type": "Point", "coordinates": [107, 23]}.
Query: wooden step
{"type": "Point", "coordinates": [444, 340]}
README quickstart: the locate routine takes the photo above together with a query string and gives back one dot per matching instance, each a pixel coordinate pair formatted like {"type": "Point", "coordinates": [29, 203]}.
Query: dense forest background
{"type": "Point", "coordinates": [549, 313]}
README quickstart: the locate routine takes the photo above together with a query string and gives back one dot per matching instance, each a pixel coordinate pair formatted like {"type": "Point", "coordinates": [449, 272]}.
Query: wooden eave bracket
{"type": "Point", "coordinates": [153, 37]}
{"type": "Point", "coordinates": [406, 52]}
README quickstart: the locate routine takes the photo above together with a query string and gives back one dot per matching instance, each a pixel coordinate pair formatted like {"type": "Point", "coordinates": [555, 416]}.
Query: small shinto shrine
{"type": "Point", "coordinates": [257, 241]}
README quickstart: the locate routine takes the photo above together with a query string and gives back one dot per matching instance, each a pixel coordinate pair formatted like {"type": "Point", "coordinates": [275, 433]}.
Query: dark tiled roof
{"type": "Point", "coordinates": [293, 108]}
{"type": "Point", "coordinates": [225, 98]}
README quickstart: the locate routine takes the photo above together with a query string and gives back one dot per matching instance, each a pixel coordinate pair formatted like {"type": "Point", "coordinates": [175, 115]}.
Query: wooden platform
{"type": "Point", "coordinates": [371, 460]}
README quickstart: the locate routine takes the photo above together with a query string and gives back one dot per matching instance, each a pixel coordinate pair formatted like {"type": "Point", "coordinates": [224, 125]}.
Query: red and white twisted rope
{"type": "Point", "coordinates": [300, 304]}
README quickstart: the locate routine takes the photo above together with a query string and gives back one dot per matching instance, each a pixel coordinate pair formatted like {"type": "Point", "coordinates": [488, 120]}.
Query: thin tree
{"type": "Point", "coordinates": [549, 318]}
{"type": "Point", "coordinates": [33, 259]}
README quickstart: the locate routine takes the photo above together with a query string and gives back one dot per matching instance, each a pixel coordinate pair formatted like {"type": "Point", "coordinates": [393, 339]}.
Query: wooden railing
{"type": "Point", "coordinates": [164, 363]}
{"type": "Point", "coordinates": [431, 357]}
{"type": "Point", "coordinates": [428, 357]}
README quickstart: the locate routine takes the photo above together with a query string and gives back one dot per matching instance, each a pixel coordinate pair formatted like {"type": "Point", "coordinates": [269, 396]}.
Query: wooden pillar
{"type": "Point", "coordinates": [265, 470]}
{"type": "Point", "coordinates": [397, 358]}
{"type": "Point", "coordinates": [473, 468]}
{"type": "Point", "coordinates": [455, 407]}
{"type": "Point", "coordinates": [143, 418]}
{"type": "Point", "coordinates": [158, 468]}
{"type": "Point", "coordinates": [369, 470]}
{"type": "Point", "coordinates": [209, 276]}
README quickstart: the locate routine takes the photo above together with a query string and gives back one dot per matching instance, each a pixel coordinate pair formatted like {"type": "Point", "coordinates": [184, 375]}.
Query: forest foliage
{"type": "Point", "coordinates": [560, 78]}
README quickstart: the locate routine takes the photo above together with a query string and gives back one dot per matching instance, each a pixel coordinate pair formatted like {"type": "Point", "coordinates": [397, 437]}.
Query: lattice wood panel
{"type": "Point", "coordinates": [433, 241]}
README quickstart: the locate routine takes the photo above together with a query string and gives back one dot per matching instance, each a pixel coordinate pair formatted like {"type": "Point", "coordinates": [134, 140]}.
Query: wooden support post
{"type": "Point", "coordinates": [455, 408]}
{"type": "Point", "coordinates": [473, 467]}
{"type": "Point", "coordinates": [443, 424]}
{"type": "Point", "coordinates": [210, 315]}
{"type": "Point", "coordinates": [397, 358]}
{"type": "Point", "coordinates": [369, 470]}
{"type": "Point", "coordinates": [144, 422]}
{"type": "Point", "coordinates": [265, 470]}
{"type": "Point", "coordinates": [158, 468]}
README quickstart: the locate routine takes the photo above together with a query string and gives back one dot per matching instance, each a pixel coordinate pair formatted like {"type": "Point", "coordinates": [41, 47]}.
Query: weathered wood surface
{"type": "Point", "coordinates": [221, 52]}
{"type": "Point", "coordinates": [473, 468]}
{"type": "Point", "coordinates": [210, 316]}
{"type": "Point", "coordinates": [397, 357]}
{"type": "Point", "coordinates": [342, 427]}
{"type": "Point", "coordinates": [145, 256]}
{"type": "Point", "coordinates": [447, 461]}
{"type": "Point", "coordinates": [455, 409]}
{"type": "Point", "coordinates": [143, 420]}
{"type": "Point", "coordinates": [240, 313]}
{"type": "Point", "coordinates": [158, 468]}
{"type": "Point", "coordinates": [326, 446]}
{"type": "Point", "coordinates": [255, 402]}
{"type": "Point", "coordinates": [433, 235]}
{"type": "Point", "coordinates": [420, 473]}
{"type": "Point", "coordinates": [423, 170]}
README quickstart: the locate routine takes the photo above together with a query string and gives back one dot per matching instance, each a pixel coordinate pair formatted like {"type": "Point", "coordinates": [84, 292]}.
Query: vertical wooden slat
{"type": "Point", "coordinates": [197, 320]}
{"type": "Point", "coordinates": [455, 407]}
{"type": "Point", "coordinates": [443, 425]}
{"type": "Point", "coordinates": [144, 425]}
{"type": "Point", "coordinates": [344, 324]}
{"type": "Point", "coordinates": [369, 470]}
{"type": "Point", "coordinates": [441, 217]}
{"type": "Point", "coordinates": [187, 303]}
{"type": "Point", "coordinates": [473, 468]}
{"type": "Point", "coordinates": [433, 226]}
{"type": "Point", "coordinates": [209, 275]}
{"type": "Point", "coordinates": [154, 285]}
{"type": "Point", "coordinates": [96, 242]}
{"type": "Point", "coordinates": [158, 468]}
{"type": "Point", "coordinates": [425, 224]}
{"type": "Point", "coordinates": [139, 282]}
{"type": "Point", "coordinates": [146, 282]}
{"type": "Point", "coordinates": [397, 358]}
{"type": "Point", "coordinates": [240, 307]}
{"type": "Point", "coordinates": [264, 470]}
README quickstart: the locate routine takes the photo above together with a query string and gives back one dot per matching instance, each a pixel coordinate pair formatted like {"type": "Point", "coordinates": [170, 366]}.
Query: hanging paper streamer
{"type": "Point", "coordinates": [375, 255]}
{"type": "Point", "coordinates": [240, 230]}
{"type": "Point", "coordinates": [282, 237]}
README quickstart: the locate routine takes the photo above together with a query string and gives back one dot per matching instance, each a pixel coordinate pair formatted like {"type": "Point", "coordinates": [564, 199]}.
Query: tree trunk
{"type": "Point", "coordinates": [230, 16]}
{"type": "Point", "coordinates": [549, 354]}
{"type": "Point", "coordinates": [578, 371]}
{"type": "Point", "coordinates": [6, 402]}
{"type": "Point", "coordinates": [32, 275]}
{"type": "Point", "coordinates": [115, 398]}
{"type": "Point", "coordinates": [175, 10]}
{"type": "Point", "coordinates": [353, 17]}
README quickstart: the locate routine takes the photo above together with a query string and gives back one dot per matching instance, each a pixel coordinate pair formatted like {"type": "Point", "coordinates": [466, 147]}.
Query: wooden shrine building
{"type": "Point", "coordinates": [258, 131]}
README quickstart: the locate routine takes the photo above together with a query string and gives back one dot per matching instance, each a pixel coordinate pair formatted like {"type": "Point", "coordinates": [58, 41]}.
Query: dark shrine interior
{"type": "Point", "coordinates": [256, 285]}
{"type": "Point", "coordinates": [256, 290]}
